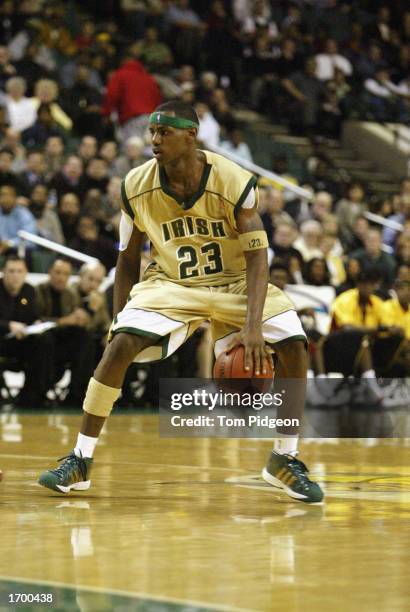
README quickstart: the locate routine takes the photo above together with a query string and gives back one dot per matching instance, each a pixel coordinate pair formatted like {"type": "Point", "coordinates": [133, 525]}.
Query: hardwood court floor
{"type": "Point", "coordinates": [185, 524]}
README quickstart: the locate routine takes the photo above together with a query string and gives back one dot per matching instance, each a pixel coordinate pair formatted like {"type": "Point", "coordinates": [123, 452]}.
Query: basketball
{"type": "Point", "coordinates": [231, 366]}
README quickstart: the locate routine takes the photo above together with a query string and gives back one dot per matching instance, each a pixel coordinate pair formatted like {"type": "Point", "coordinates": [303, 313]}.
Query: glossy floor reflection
{"type": "Point", "coordinates": [187, 524]}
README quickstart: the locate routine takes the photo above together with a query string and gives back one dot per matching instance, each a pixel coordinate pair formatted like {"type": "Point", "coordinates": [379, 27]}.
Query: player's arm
{"type": "Point", "coordinates": [129, 260]}
{"type": "Point", "coordinates": [254, 242]}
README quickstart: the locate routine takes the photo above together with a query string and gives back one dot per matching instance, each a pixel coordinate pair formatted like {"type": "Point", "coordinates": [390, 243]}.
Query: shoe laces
{"type": "Point", "coordinates": [70, 461]}
{"type": "Point", "coordinates": [297, 466]}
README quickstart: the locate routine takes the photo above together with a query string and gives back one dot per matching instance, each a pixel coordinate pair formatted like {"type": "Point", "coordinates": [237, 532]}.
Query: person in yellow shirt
{"type": "Point", "coordinates": [360, 341]}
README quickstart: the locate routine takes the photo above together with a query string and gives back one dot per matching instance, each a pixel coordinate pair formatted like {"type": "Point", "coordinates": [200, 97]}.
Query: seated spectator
{"type": "Point", "coordinates": [308, 243]}
{"type": "Point", "coordinates": [53, 156]}
{"type": "Point", "coordinates": [13, 218]}
{"type": "Point", "coordinates": [185, 29]}
{"type": "Point", "coordinates": [356, 339]}
{"type": "Point", "coordinates": [96, 174]}
{"type": "Point", "coordinates": [349, 208]}
{"type": "Point", "coordinates": [283, 238]}
{"type": "Point", "coordinates": [279, 273]}
{"type": "Point", "coordinates": [321, 207]}
{"type": "Point", "coordinates": [316, 272]}
{"type": "Point", "coordinates": [17, 311]}
{"type": "Point", "coordinates": [155, 54]}
{"type": "Point", "coordinates": [22, 112]}
{"type": "Point", "coordinates": [12, 142]}
{"type": "Point", "coordinates": [70, 179]}
{"type": "Point", "coordinates": [44, 127]}
{"type": "Point", "coordinates": [7, 176]}
{"type": "Point", "coordinates": [383, 99]}
{"type": "Point", "coordinates": [29, 67]}
{"type": "Point", "coordinates": [373, 257]}
{"type": "Point", "coordinates": [109, 152]}
{"type": "Point", "coordinates": [7, 69]}
{"type": "Point", "coordinates": [34, 174]}
{"type": "Point", "coordinates": [236, 145]}
{"type": "Point", "coordinates": [48, 223]}
{"type": "Point", "coordinates": [328, 61]}
{"type": "Point", "coordinates": [89, 242]}
{"type": "Point", "coordinates": [46, 92]}
{"type": "Point", "coordinates": [94, 303]}
{"type": "Point", "coordinates": [69, 215]}
{"type": "Point", "coordinates": [334, 262]}
{"type": "Point", "coordinates": [221, 109]}
{"type": "Point", "coordinates": [403, 251]}
{"type": "Point", "coordinates": [397, 314]}
{"type": "Point", "coordinates": [305, 91]}
{"type": "Point", "coordinates": [353, 269]}
{"type": "Point", "coordinates": [72, 344]}
{"type": "Point", "coordinates": [132, 157]}
{"type": "Point", "coordinates": [209, 128]}
{"type": "Point", "coordinates": [82, 102]}
{"type": "Point", "coordinates": [403, 215]}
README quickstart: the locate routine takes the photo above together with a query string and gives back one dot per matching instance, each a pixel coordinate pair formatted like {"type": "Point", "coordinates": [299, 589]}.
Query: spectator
{"type": "Point", "coordinates": [208, 84]}
{"type": "Point", "coordinates": [29, 68]}
{"type": "Point", "coordinates": [44, 127]}
{"type": "Point", "coordinates": [7, 69]}
{"type": "Point", "coordinates": [329, 60]}
{"type": "Point", "coordinates": [82, 102]}
{"type": "Point", "coordinates": [283, 238]}
{"type": "Point", "coordinates": [69, 215]}
{"type": "Point", "coordinates": [88, 148]}
{"type": "Point", "coordinates": [185, 30]}
{"type": "Point", "coordinates": [353, 269]}
{"type": "Point", "coordinates": [7, 176]}
{"type": "Point", "coordinates": [279, 273]}
{"type": "Point", "coordinates": [133, 93]}
{"type": "Point", "coordinates": [155, 55]}
{"type": "Point", "coordinates": [13, 218]}
{"type": "Point", "coordinates": [308, 243]}
{"type": "Point", "coordinates": [132, 158]}
{"type": "Point", "coordinates": [383, 98]}
{"type": "Point", "coordinates": [209, 129]}
{"type": "Point", "coordinates": [321, 207]}
{"type": "Point", "coordinates": [71, 178]}
{"type": "Point", "coordinates": [34, 172]}
{"type": "Point", "coordinates": [72, 344]}
{"type": "Point", "coordinates": [109, 152]}
{"type": "Point", "coordinates": [89, 242]}
{"type": "Point", "coordinates": [94, 303]}
{"type": "Point", "coordinates": [349, 208]}
{"type": "Point", "coordinates": [316, 272]}
{"type": "Point", "coordinates": [53, 155]}
{"type": "Point", "coordinates": [390, 235]}
{"type": "Point", "coordinates": [334, 263]}
{"type": "Point", "coordinates": [236, 145]}
{"type": "Point", "coordinates": [305, 91]}
{"type": "Point", "coordinates": [21, 111]}
{"type": "Point", "coordinates": [96, 174]}
{"type": "Point", "coordinates": [18, 311]}
{"type": "Point", "coordinates": [372, 257]}
{"type": "Point", "coordinates": [48, 223]}
{"type": "Point", "coordinates": [46, 92]}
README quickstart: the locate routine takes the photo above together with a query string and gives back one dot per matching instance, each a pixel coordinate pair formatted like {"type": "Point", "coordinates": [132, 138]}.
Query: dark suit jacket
{"type": "Point", "coordinates": [21, 307]}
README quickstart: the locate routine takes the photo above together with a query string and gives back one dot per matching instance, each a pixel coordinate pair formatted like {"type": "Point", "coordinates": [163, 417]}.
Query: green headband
{"type": "Point", "coordinates": [176, 122]}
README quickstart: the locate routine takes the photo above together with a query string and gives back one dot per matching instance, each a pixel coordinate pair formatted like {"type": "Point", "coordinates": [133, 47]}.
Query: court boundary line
{"type": "Point", "coordinates": [121, 593]}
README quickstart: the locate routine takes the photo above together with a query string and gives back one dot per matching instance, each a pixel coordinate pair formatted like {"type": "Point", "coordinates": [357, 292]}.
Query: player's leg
{"type": "Point", "coordinates": [103, 390]}
{"type": "Point", "coordinates": [283, 469]}
{"type": "Point", "coordinates": [143, 332]}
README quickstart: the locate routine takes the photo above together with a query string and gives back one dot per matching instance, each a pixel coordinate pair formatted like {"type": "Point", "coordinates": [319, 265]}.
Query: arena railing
{"type": "Point", "coordinates": [304, 194]}
{"type": "Point", "coordinates": [53, 246]}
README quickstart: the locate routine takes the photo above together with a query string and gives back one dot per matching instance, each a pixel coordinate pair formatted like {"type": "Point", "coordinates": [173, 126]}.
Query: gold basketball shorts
{"type": "Point", "coordinates": [169, 313]}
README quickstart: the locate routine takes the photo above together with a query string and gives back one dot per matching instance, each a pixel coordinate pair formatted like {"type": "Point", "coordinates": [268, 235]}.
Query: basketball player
{"type": "Point", "coordinates": [209, 262]}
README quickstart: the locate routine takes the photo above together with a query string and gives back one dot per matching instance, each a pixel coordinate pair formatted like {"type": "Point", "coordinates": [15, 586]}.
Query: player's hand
{"type": "Point", "coordinates": [17, 329]}
{"type": "Point", "coordinates": [257, 354]}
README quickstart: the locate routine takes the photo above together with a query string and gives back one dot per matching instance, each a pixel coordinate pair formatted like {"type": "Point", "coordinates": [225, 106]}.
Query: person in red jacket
{"type": "Point", "coordinates": [133, 94]}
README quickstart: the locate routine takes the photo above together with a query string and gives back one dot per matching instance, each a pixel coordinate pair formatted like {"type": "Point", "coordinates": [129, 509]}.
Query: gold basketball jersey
{"type": "Point", "coordinates": [193, 242]}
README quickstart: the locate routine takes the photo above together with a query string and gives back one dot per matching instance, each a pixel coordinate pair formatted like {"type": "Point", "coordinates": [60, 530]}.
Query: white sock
{"type": "Point", "coordinates": [369, 374]}
{"type": "Point", "coordinates": [286, 445]}
{"type": "Point", "coordinates": [85, 446]}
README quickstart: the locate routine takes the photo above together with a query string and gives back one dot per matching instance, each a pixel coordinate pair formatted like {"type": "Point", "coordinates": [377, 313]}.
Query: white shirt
{"type": "Point", "coordinates": [326, 64]}
{"type": "Point", "coordinates": [209, 129]}
{"type": "Point", "coordinates": [242, 150]}
{"type": "Point", "coordinates": [22, 114]}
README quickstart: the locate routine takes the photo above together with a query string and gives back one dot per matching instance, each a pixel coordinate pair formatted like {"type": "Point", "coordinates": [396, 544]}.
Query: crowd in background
{"type": "Point", "coordinates": [79, 80]}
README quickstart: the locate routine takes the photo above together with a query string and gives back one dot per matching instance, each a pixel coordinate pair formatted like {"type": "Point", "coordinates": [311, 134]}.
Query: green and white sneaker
{"type": "Point", "coordinates": [72, 474]}
{"type": "Point", "coordinates": [289, 474]}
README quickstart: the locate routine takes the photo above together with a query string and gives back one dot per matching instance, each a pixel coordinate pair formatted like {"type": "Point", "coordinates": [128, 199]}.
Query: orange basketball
{"type": "Point", "coordinates": [231, 366]}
